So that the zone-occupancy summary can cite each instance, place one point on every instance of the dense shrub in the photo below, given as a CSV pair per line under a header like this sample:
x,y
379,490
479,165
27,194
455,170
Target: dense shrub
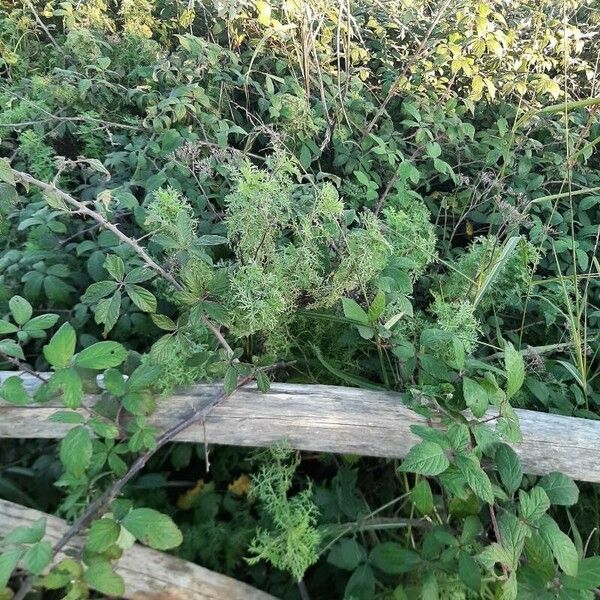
x,y
394,195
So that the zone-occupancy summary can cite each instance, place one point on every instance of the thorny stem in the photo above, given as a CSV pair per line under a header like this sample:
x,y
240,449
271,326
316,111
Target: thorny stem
x,y
22,366
197,415
83,209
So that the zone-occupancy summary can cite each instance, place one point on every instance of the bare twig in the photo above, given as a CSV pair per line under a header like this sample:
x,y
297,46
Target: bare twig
x,y
92,214
22,366
44,28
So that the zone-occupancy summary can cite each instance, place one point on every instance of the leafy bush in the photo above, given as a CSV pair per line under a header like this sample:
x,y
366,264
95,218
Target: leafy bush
x,y
399,196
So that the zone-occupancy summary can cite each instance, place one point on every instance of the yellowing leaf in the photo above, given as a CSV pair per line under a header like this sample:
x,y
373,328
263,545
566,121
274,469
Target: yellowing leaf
x,y
186,500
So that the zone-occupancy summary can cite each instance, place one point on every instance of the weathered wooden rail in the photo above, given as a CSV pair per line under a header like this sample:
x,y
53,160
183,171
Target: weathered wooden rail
x,y
329,419
144,569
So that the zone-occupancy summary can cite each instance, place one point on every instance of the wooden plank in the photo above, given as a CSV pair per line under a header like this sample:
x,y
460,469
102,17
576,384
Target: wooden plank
x,y
331,419
143,570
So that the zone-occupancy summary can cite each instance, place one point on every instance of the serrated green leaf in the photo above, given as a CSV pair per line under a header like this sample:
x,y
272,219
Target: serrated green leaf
x,y
27,534
11,348
422,497
533,504
515,370
262,382
588,575
353,311
38,557
101,355
67,416
98,290
60,349
561,490
9,559
394,559
102,535
20,309
141,297
139,275
76,451
41,322
509,468
468,571
7,327
426,458
6,172
163,322
562,547
153,528
475,396
115,266
68,385
114,382
12,391
101,576
230,380
107,311
475,477
346,554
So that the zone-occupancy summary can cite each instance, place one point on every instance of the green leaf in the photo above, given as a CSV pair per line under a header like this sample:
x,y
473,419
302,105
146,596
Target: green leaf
x,y
508,425
20,309
9,559
60,349
97,291
562,547
76,451
475,396
163,322
513,533
101,576
394,559
533,504
153,528
422,497
7,327
12,391
346,554
67,416
68,384
139,275
588,575
114,382
38,557
426,458
476,477
102,535
27,534
101,355
468,571
509,468
40,322
515,370
230,380
114,265
561,489
143,377
361,583
6,174
262,382
377,306
108,311
141,297
354,312
11,348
